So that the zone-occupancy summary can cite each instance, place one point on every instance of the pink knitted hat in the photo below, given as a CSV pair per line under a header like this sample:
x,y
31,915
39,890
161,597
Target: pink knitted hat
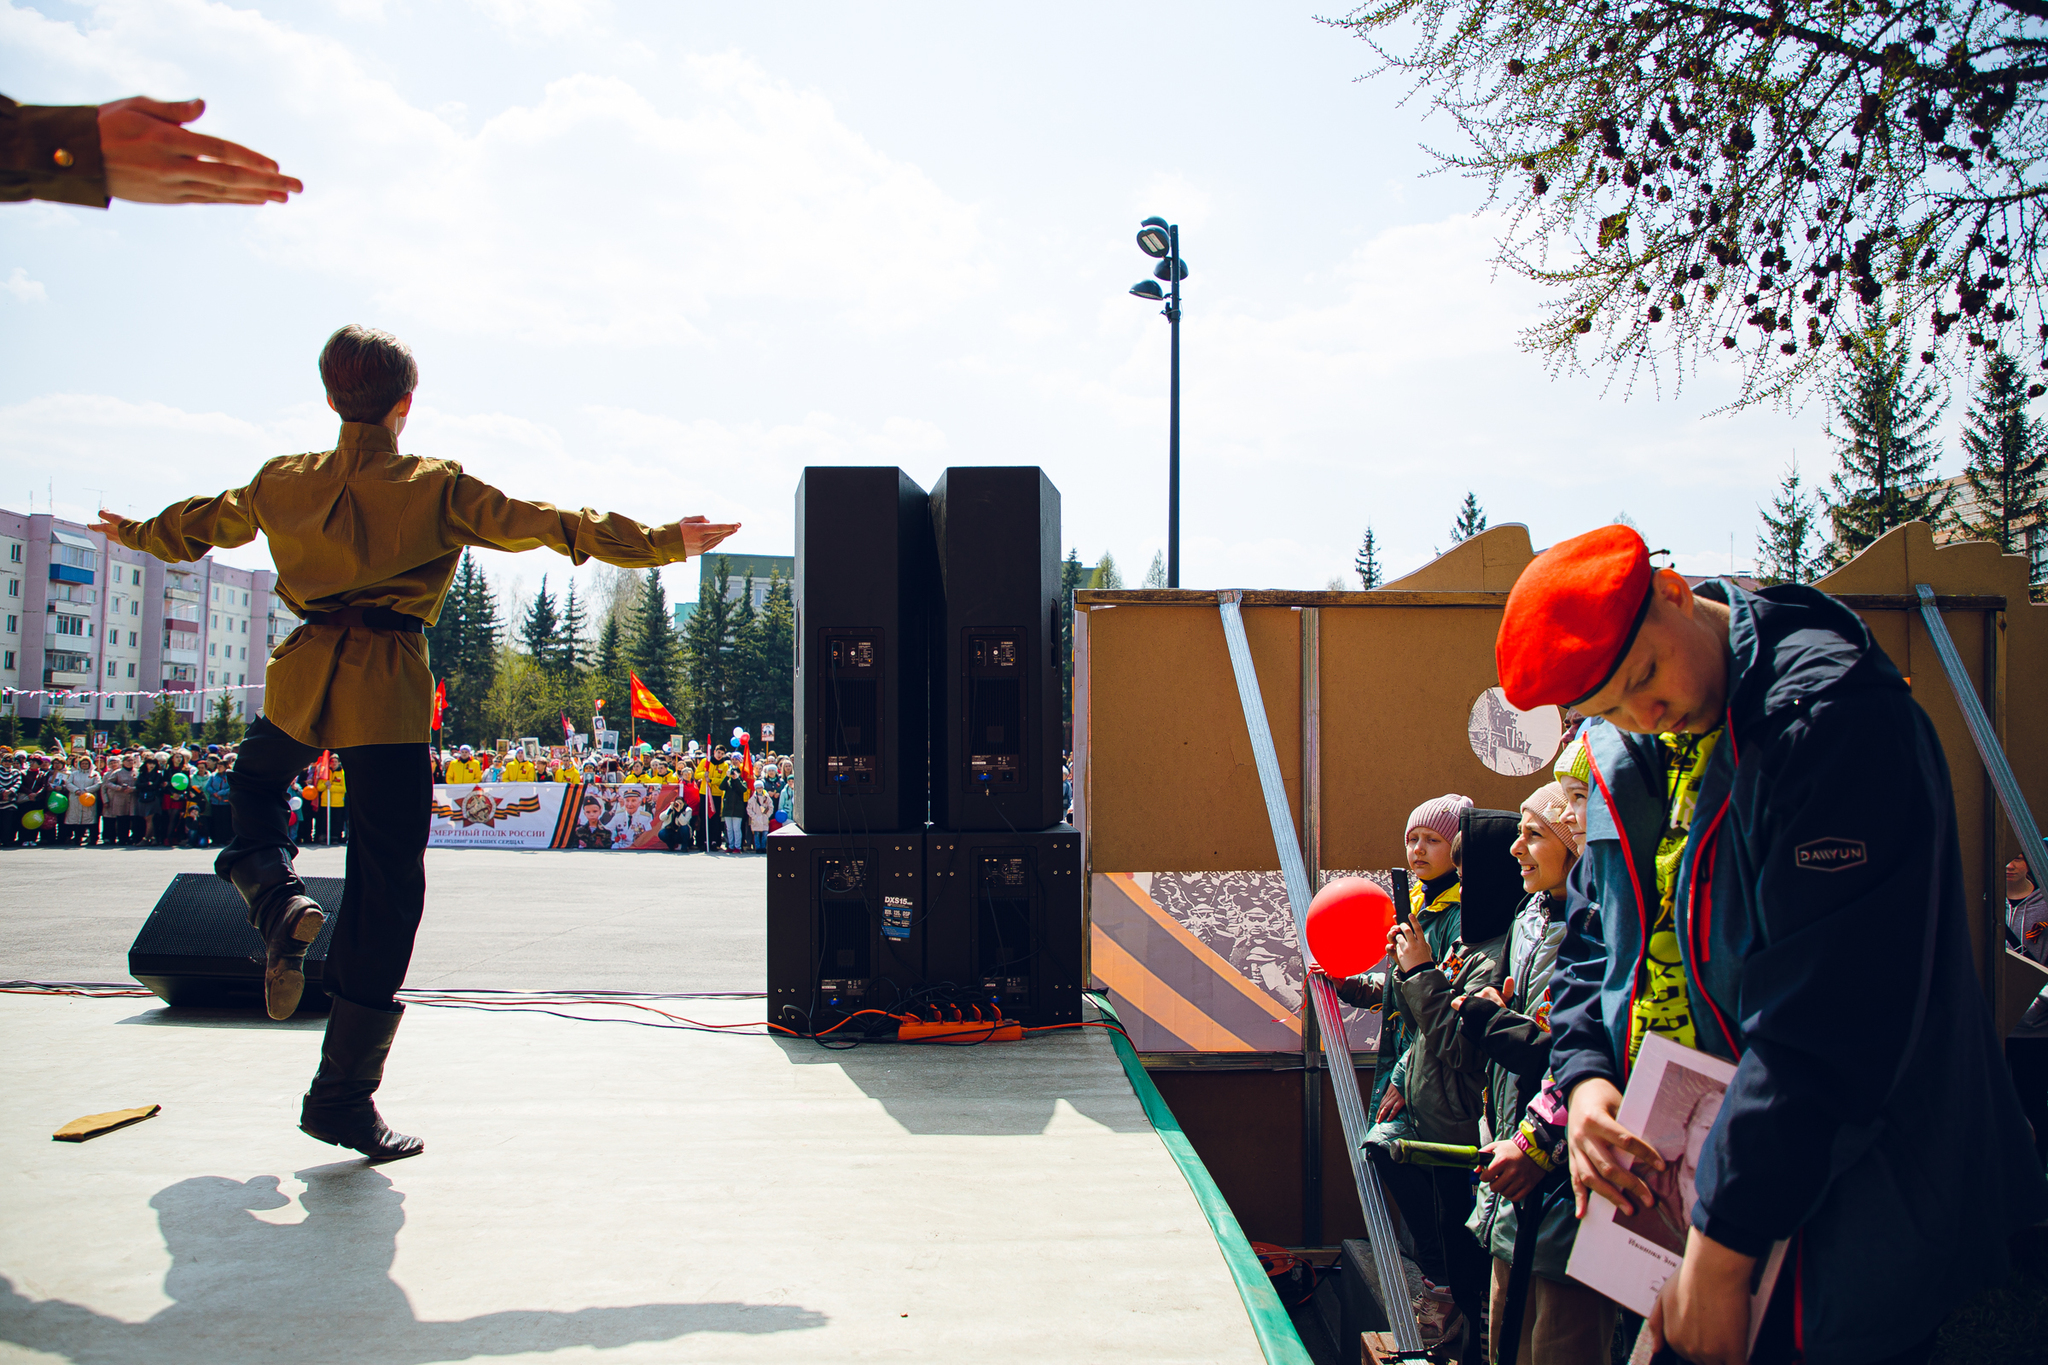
x,y
1440,815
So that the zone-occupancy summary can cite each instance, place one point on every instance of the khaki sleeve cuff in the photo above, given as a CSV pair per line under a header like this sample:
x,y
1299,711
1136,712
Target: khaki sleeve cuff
x,y
53,153
669,540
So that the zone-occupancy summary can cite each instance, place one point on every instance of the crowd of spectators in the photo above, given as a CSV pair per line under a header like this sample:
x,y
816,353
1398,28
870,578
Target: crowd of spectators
x,y
178,797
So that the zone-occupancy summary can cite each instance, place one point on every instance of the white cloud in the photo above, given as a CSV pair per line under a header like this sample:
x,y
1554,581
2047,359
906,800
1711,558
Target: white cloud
x,y
23,289
535,19
604,212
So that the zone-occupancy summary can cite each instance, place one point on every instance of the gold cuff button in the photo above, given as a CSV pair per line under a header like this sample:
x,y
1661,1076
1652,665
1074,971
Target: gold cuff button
x,y
62,157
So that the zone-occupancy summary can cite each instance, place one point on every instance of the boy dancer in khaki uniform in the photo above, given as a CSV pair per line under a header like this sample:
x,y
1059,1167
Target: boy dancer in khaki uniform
x,y
366,543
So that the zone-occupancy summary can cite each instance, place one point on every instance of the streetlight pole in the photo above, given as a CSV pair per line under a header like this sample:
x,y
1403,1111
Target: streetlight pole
x,y
1160,240
1173,416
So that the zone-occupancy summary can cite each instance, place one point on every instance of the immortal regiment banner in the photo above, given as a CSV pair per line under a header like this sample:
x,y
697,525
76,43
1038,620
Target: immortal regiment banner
x,y
500,815
1206,961
611,815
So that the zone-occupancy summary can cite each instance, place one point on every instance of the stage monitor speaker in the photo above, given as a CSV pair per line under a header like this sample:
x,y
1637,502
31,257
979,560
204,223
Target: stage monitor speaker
x,y
1005,916
846,925
995,650
198,948
863,582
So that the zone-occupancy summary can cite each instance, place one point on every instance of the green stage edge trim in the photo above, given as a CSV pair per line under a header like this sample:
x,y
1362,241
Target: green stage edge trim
x,y
1278,1340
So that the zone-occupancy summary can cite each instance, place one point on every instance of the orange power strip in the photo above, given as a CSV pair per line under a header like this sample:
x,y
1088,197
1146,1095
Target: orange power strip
x,y
968,1031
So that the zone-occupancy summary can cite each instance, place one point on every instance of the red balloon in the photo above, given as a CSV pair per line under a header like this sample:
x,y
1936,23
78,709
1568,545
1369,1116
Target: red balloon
x,y
1347,925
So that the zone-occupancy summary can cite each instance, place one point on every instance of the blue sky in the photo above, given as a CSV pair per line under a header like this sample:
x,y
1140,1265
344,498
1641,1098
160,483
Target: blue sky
x,y
658,258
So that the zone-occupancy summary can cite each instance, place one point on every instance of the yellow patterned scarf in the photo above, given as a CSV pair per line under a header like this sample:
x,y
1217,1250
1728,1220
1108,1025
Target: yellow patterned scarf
x,y
1661,1004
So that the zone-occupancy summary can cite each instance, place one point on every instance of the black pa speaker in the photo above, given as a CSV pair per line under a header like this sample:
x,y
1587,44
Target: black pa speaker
x,y
864,580
1005,916
198,948
846,925
995,750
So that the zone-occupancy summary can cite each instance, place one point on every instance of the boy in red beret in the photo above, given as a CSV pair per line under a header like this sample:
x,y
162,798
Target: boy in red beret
x,y
1772,876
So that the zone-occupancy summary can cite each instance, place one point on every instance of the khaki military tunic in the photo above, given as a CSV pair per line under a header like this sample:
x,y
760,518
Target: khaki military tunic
x,y
364,526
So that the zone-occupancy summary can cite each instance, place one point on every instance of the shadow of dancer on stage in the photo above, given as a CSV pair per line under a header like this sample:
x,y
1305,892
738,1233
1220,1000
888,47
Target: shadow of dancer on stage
x,y
320,1292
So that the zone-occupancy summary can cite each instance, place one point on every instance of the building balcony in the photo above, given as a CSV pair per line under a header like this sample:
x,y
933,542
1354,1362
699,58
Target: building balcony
x,y
181,656
64,573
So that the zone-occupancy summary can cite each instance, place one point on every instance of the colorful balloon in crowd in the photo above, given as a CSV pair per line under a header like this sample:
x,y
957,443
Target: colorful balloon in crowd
x,y
32,819
310,792
296,803
1348,923
58,803
179,782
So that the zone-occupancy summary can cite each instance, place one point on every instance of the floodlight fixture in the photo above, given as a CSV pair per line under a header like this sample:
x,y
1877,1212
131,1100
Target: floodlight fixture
x,y
1149,290
1153,237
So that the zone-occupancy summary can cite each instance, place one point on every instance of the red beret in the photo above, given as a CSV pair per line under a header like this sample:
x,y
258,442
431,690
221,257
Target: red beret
x,y
1572,616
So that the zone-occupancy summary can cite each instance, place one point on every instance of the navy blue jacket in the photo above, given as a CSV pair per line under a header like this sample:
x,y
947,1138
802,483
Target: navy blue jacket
x,y
1821,917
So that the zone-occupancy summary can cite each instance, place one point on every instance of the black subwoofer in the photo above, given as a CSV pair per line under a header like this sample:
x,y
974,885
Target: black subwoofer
x,y
198,948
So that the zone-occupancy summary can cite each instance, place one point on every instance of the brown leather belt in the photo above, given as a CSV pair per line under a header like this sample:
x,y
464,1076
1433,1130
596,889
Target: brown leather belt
x,y
375,618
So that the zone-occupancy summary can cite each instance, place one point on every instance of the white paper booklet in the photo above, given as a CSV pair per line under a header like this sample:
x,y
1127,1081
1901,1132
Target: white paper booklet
x,y
1672,1098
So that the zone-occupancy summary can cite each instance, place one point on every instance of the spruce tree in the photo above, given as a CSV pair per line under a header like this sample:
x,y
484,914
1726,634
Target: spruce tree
x,y
767,665
1155,577
223,726
124,734
1106,575
1886,444
55,735
1367,562
652,653
163,728
540,628
571,654
10,730
1471,519
1788,524
608,674
2007,449
708,641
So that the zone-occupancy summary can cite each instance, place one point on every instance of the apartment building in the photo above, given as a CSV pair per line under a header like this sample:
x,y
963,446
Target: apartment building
x,y
84,616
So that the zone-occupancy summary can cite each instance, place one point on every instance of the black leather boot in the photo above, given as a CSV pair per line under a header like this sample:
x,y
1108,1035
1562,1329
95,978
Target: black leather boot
x,y
286,917
338,1108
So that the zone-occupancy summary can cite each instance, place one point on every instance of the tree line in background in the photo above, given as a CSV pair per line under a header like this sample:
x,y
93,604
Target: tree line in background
x,y
1885,416
730,665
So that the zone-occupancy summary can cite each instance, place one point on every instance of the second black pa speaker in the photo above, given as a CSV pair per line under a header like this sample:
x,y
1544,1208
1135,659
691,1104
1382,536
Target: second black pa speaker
x,y
995,748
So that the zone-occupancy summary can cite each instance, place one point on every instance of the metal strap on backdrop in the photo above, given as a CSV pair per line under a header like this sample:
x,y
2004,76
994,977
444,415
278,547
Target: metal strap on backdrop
x,y
2002,779
1336,1047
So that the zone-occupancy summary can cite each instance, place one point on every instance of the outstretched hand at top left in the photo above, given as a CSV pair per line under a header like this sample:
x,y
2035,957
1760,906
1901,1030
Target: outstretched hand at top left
x,y
700,534
151,159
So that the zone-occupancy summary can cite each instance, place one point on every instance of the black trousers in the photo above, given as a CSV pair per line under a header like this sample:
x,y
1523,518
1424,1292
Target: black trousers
x,y
1435,1201
391,793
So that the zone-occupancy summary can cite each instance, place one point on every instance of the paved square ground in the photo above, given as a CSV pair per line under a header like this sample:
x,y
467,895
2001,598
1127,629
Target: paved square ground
x,y
495,918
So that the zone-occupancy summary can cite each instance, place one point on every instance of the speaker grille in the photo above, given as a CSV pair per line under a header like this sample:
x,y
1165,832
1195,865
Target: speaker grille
x,y
198,948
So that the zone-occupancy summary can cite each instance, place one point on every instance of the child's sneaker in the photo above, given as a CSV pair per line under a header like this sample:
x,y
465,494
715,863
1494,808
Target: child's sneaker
x,y
1436,1314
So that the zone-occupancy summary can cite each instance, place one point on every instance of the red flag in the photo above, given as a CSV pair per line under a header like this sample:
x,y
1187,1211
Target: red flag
x,y
747,759
567,728
440,702
324,768
647,706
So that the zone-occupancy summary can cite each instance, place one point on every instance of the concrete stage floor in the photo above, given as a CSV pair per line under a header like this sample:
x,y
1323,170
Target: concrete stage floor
x,y
590,1191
